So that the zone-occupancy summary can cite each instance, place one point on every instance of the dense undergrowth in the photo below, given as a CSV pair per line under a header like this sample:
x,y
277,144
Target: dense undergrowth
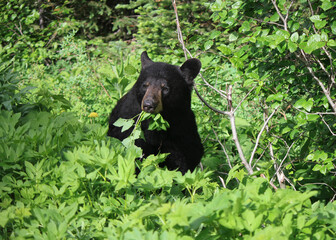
x,y
61,177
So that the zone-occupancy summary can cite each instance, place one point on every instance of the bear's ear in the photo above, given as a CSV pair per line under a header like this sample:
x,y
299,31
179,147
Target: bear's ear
x,y
145,60
190,69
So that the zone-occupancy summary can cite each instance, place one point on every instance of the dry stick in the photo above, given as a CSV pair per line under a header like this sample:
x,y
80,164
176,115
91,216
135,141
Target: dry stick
x,y
186,52
222,181
321,115
332,75
230,114
180,38
234,132
244,99
287,153
259,135
223,147
325,91
179,32
334,134
280,175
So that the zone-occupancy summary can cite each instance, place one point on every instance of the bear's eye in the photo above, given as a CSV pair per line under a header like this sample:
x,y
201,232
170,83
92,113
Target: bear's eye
x,y
165,90
145,85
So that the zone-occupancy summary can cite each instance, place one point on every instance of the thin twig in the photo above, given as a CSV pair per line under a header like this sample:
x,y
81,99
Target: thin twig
x,y
222,181
234,132
325,91
315,113
179,32
327,125
282,161
284,20
244,99
280,175
180,38
223,147
208,105
260,133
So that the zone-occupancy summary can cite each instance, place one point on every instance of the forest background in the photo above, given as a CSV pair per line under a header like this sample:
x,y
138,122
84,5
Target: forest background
x,y
265,109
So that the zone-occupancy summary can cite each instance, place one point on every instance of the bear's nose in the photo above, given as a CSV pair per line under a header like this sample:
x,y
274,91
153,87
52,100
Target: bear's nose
x,y
148,105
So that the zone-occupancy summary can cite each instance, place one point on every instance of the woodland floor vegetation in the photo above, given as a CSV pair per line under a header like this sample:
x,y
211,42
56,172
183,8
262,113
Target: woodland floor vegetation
x,y
264,102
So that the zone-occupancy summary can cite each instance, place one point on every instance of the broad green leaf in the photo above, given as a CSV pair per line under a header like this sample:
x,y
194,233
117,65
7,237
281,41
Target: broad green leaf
x,y
295,37
233,37
314,42
130,70
275,97
124,123
275,17
208,45
224,49
318,22
326,5
331,43
292,46
301,220
333,27
214,34
303,103
245,27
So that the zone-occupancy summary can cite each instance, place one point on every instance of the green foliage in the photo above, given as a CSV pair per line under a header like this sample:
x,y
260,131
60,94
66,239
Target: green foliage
x,y
61,177
156,122
289,60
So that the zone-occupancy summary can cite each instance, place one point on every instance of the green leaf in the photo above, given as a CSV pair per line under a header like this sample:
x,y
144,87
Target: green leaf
x,y
224,49
294,37
275,97
314,42
326,5
124,123
303,103
214,34
208,44
274,18
245,27
333,27
130,70
301,220
331,43
233,37
292,46
318,22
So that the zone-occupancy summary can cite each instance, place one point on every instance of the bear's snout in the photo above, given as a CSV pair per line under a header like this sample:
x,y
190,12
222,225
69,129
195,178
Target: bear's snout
x,y
151,101
149,105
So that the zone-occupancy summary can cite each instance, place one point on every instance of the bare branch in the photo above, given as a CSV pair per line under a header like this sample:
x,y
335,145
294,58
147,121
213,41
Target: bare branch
x,y
325,91
288,150
315,113
327,125
222,181
332,75
185,50
244,99
179,32
331,188
208,105
223,147
284,20
19,29
280,175
259,135
234,132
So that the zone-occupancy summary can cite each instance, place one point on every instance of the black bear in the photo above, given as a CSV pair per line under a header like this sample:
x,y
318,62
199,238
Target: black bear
x,y
166,89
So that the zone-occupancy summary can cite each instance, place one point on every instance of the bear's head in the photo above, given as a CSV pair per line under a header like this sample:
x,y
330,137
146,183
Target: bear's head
x,y
162,87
